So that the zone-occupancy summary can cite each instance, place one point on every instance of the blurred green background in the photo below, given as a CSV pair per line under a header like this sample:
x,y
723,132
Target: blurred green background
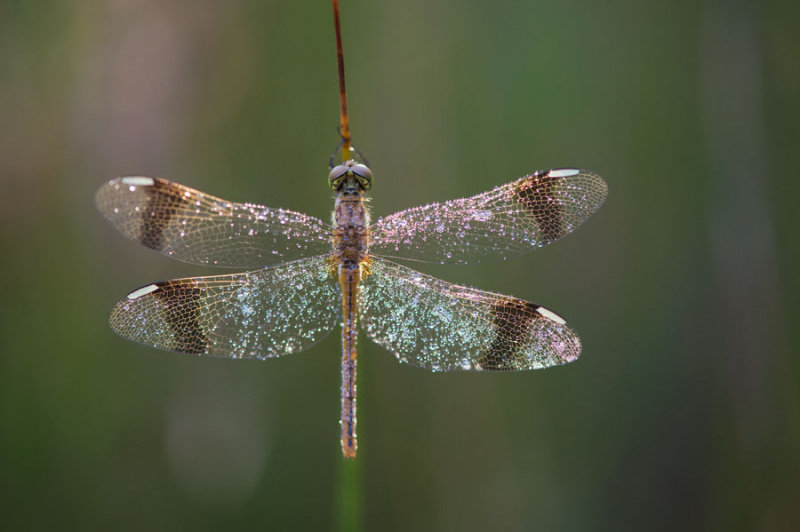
x,y
683,412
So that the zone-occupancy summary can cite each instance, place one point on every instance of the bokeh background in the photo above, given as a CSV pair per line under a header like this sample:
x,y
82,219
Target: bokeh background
x,y
683,412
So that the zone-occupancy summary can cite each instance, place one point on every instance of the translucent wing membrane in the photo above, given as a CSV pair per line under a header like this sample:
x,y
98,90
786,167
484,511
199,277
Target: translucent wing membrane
x,y
505,222
261,314
194,227
429,323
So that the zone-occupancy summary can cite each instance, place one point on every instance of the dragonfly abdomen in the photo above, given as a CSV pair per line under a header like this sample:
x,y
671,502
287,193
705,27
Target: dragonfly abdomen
x,y
349,278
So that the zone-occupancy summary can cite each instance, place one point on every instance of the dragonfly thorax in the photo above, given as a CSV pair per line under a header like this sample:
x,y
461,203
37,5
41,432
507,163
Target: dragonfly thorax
x,y
350,178
350,214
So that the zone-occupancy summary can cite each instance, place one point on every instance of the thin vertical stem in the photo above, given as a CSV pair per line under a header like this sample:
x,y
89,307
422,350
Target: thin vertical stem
x,y
344,118
349,498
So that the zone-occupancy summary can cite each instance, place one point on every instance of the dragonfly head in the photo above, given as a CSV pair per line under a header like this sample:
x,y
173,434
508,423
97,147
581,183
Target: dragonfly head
x,y
350,177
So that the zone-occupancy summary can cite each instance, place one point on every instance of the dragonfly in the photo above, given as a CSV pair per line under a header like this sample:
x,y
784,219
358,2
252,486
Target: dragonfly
x,y
304,276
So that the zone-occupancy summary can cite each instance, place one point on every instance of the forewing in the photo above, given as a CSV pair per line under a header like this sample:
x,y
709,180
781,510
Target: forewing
x,y
261,314
429,323
194,227
505,222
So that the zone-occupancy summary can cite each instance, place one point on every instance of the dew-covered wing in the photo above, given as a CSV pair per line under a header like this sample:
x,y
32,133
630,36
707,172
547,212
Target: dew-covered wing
x,y
260,314
505,222
429,323
194,227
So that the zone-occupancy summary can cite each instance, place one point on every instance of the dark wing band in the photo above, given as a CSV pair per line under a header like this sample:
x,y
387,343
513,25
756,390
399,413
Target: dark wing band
x,y
262,314
194,227
429,323
505,222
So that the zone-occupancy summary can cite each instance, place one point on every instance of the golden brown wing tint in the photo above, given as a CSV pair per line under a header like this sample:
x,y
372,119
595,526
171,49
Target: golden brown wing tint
x,y
194,227
507,221
261,314
429,323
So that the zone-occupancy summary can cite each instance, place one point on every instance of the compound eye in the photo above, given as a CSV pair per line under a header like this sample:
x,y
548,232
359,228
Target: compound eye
x,y
337,171
363,175
336,175
362,170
